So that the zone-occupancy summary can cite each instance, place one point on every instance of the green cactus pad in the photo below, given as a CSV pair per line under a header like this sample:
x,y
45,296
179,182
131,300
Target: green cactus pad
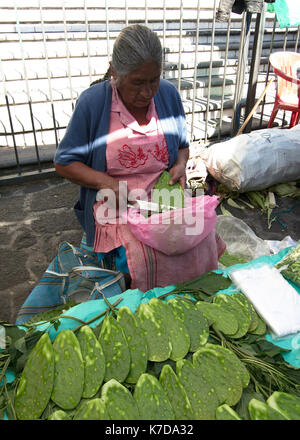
x,y
36,382
137,344
151,399
178,334
115,348
261,327
91,409
212,366
225,412
242,299
240,313
69,371
176,394
119,401
59,415
165,194
235,366
194,321
201,394
259,410
222,318
93,360
158,342
286,404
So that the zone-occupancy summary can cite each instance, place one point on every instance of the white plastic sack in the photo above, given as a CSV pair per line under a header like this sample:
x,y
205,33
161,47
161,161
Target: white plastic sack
x,y
255,160
276,301
277,245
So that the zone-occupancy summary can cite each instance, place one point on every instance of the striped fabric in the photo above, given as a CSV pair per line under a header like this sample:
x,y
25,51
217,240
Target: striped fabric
x,y
76,273
150,268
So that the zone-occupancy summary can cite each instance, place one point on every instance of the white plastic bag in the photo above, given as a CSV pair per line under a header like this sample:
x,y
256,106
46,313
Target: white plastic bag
x,y
277,302
240,240
256,160
277,245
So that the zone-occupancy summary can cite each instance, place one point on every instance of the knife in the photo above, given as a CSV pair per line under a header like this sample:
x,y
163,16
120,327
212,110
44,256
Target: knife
x,y
144,205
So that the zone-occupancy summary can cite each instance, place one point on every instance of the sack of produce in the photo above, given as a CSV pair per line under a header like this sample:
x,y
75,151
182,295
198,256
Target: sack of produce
x,y
177,230
289,266
256,160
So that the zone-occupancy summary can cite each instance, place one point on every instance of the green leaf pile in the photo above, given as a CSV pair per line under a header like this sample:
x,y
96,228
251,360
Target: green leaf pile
x,y
174,358
289,266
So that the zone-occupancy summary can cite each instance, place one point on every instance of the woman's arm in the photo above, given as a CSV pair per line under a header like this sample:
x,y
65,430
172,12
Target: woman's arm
x,y
178,169
83,175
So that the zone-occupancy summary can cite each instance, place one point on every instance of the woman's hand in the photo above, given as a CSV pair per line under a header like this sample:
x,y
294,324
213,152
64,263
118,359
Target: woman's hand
x,y
179,168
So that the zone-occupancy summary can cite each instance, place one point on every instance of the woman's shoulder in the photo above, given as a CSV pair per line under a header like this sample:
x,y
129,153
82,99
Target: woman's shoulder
x,y
166,87
95,94
164,84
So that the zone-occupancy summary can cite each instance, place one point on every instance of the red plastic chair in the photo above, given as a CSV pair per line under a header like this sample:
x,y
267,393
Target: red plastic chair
x,y
285,65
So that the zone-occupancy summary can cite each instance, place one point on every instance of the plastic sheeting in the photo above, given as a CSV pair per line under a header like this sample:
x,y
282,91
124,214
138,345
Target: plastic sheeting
x,y
287,12
240,239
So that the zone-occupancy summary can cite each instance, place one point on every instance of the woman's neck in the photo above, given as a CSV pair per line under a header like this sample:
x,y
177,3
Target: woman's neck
x,y
141,116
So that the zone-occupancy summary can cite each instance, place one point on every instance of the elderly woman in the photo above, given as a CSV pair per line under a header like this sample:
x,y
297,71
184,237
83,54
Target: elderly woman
x,y
127,128
130,127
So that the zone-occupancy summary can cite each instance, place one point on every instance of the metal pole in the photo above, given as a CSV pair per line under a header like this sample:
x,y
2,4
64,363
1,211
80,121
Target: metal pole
x,y
164,38
180,46
195,70
284,49
297,39
107,30
126,13
27,87
87,40
240,76
255,62
13,135
48,73
224,78
146,12
285,38
34,135
3,79
68,53
268,70
210,70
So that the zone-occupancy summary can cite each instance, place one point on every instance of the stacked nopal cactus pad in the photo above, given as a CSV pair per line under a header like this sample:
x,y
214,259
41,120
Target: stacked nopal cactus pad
x,y
108,374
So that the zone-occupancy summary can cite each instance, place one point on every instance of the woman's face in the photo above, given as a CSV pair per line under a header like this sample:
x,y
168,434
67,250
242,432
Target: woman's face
x,y
138,87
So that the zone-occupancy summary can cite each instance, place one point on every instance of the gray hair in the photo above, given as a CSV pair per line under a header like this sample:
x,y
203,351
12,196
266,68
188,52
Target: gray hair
x,y
134,46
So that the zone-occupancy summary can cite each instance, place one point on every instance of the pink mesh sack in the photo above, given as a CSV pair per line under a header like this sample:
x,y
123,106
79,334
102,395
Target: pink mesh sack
x,y
177,231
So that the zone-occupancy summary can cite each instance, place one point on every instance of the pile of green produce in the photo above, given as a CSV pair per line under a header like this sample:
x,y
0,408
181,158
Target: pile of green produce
x,y
188,356
289,266
264,200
